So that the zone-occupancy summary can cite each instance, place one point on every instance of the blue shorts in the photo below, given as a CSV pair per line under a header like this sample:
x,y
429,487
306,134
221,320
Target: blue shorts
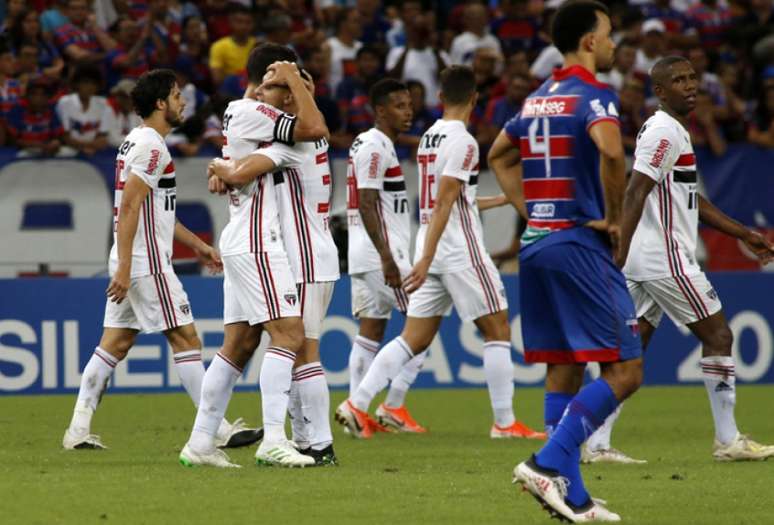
x,y
575,307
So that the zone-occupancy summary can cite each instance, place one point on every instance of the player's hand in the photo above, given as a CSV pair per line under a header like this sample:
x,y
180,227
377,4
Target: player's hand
x,y
418,275
308,81
278,74
119,284
215,185
221,168
210,258
391,272
760,246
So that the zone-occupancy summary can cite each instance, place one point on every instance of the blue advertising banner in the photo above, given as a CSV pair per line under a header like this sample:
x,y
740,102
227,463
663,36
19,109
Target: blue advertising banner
x,y
49,328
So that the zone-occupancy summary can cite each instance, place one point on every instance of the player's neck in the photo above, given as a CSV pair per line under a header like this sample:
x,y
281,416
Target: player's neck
x,y
159,123
584,60
682,119
457,113
391,134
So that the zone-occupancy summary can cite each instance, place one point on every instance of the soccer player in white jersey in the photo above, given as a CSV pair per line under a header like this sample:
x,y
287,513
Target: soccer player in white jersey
x,y
259,285
302,181
144,294
662,209
451,266
378,255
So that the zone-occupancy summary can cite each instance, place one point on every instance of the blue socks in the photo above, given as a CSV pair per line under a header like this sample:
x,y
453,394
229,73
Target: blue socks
x,y
553,409
585,413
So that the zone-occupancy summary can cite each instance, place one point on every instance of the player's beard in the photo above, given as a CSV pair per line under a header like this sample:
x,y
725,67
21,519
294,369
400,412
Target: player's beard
x,y
173,118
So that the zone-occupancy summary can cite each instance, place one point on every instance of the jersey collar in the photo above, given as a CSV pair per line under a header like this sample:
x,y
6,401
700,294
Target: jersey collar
x,y
580,72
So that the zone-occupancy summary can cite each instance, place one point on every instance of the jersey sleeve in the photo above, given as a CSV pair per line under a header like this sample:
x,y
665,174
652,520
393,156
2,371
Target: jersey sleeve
x,y
601,106
263,123
656,152
282,155
144,160
370,163
462,159
511,129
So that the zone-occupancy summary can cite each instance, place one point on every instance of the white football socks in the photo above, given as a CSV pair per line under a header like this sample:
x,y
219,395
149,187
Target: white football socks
x,y
600,440
360,358
399,387
315,403
498,369
275,379
386,366
719,377
217,387
301,431
190,369
93,382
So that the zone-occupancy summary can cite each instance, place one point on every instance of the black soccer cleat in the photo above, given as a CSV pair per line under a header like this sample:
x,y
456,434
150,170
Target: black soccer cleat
x,y
244,438
322,458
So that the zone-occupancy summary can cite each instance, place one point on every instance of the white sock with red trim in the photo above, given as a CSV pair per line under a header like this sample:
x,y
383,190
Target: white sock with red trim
x,y
276,376
315,403
190,370
719,377
386,366
498,369
217,387
360,358
399,387
301,431
600,440
93,383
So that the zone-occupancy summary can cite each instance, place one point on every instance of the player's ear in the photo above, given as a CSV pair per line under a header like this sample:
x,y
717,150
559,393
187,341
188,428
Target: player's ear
x,y
587,43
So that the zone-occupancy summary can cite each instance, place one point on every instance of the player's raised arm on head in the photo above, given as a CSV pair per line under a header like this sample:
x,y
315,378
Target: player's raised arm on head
x,y
309,123
505,161
612,172
368,200
134,193
710,215
448,191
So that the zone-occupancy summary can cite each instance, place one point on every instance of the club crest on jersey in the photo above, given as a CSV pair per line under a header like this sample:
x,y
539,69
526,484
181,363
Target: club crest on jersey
x,y
712,294
186,309
290,298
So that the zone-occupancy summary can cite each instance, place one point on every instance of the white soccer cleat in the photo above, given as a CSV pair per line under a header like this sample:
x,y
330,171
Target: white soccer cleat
x,y
597,512
741,448
281,454
608,455
81,441
549,490
216,458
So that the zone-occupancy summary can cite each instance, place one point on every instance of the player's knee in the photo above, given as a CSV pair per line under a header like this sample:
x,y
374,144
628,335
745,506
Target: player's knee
x,y
293,340
498,332
725,340
119,349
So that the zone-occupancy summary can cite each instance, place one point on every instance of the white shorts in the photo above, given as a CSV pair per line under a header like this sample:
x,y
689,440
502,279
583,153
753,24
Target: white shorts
x,y
154,303
315,298
373,299
684,299
258,287
475,292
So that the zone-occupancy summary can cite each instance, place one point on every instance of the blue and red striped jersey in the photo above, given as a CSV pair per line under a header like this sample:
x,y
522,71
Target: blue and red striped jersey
x,y
562,186
70,34
10,95
39,128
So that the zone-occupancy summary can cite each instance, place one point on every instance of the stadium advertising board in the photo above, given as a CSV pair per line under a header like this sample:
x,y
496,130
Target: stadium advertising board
x,y
49,327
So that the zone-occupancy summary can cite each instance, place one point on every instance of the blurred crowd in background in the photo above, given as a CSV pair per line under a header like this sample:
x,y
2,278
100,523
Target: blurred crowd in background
x,y
67,66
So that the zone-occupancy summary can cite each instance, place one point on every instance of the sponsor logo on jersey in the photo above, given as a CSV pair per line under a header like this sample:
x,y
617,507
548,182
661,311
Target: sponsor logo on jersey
x,y
549,106
598,108
543,210
373,166
658,156
266,110
468,157
154,161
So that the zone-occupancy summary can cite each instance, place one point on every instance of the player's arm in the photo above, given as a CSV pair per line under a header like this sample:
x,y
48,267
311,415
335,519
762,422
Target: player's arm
x,y
242,171
134,194
612,171
368,200
495,201
710,215
310,123
448,191
208,255
505,161
640,186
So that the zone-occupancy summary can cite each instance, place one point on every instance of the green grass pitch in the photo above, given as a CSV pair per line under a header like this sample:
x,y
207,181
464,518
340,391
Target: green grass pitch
x,y
455,474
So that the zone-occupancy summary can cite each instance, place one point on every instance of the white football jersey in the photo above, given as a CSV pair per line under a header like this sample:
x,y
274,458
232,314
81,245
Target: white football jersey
x,y
144,154
84,124
448,150
373,164
664,243
302,184
254,223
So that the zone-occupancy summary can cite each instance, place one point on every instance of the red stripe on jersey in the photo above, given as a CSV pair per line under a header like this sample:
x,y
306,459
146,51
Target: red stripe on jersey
x,y
393,172
548,189
687,159
115,211
170,168
120,185
321,158
557,224
557,147
326,179
323,207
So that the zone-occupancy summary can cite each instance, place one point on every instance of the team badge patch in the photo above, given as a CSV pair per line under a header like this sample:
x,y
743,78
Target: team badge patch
x,y
712,294
290,298
186,309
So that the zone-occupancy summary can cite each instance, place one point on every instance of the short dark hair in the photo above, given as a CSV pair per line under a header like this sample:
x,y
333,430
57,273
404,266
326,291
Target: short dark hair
x,y
235,8
661,68
458,85
151,87
573,20
341,17
415,83
380,92
264,55
88,73
369,50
